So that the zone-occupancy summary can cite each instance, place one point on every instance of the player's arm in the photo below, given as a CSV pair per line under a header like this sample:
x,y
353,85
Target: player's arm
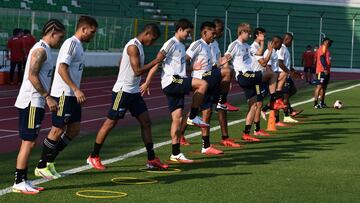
x,y
38,57
65,75
145,86
264,61
134,56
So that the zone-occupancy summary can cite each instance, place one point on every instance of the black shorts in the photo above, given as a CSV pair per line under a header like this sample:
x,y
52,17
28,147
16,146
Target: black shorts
x,y
289,87
30,120
212,95
309,69
322,78
123,101
176,91
69,111
264,89
250,82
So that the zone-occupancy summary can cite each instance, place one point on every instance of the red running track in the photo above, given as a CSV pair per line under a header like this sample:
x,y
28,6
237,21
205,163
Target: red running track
x,y
98,93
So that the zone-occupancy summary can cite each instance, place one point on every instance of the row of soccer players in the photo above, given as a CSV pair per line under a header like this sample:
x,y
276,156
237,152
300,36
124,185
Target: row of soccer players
x,y
210,83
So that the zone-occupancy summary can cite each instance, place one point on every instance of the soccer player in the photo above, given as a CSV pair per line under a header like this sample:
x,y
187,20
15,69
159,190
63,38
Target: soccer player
x,y
307,61
217,78
241,60
262,74
175,84
224,106
33,94
286,86
15,54
323,64
126,95
66,91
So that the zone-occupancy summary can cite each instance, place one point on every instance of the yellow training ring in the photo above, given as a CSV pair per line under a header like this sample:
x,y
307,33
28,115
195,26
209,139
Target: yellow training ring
x,y
167,171
133,181
115,194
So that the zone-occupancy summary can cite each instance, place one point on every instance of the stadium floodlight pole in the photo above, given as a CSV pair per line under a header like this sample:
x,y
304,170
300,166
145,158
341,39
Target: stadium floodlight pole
x,y
195,19
352,41
226,26
321,23
258,17
288,21
32,22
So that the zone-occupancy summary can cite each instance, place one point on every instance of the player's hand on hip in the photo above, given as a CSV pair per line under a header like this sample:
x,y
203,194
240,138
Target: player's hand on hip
x,y
52,104
80,96
199,64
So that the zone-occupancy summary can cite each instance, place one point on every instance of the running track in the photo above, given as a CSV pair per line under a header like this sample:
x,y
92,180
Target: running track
x,y
98,93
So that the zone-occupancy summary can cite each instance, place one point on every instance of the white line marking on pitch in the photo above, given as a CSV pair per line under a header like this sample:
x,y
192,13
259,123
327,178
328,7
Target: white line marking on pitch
x,y
142,150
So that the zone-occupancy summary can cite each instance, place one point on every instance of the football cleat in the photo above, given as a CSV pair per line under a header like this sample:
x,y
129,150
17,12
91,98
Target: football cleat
x,y
156,163
197,122
180,158
229,143
25,188
211,151
95,163
261,133
248,138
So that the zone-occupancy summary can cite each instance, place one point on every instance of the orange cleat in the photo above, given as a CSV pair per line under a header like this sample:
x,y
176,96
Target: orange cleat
x,y
211,151
248,138
229,143
95,163
231,107
295,113
261,133
281,124
183,141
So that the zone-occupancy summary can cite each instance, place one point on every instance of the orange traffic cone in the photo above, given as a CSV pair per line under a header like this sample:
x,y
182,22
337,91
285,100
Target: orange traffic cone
x,y
271,121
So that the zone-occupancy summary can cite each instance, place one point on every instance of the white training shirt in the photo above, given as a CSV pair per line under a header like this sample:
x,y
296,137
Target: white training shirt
x,y
254,48
240,56
200,50
273,62
127,81
72,54
174,62
28,94
215,52
284,54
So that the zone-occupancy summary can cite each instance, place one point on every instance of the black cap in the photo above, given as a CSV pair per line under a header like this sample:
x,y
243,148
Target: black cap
x,y
328,39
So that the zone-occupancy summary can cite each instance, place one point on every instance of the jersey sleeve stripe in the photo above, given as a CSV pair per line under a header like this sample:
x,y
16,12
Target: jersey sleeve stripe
x,y
169,46
196,45
231,47
71,48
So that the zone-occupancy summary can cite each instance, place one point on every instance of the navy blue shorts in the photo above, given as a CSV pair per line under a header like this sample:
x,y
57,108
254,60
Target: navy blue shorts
x,y
69,111
289,87
250,82
30,120
123,101
322,78
176,91
213,78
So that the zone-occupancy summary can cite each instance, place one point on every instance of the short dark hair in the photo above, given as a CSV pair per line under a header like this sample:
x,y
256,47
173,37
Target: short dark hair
x,y
277,37
153,28
52,25
290,35
183,24
207,24
258,30
27,31
218,21
86,20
